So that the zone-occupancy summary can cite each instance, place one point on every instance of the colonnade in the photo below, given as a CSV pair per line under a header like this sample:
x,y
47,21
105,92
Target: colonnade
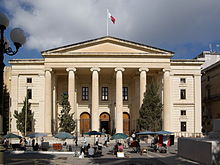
x,y
95,96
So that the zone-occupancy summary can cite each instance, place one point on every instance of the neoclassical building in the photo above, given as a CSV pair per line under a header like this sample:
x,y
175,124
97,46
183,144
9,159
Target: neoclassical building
x,y
105,80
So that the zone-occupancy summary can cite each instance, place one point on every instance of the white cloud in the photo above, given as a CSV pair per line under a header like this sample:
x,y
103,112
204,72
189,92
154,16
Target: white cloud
x,y
52,23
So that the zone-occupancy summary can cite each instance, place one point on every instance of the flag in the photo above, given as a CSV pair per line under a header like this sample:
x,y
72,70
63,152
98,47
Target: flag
x,y
111,17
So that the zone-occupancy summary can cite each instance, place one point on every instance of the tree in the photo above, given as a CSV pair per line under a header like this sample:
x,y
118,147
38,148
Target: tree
x,y
20,116
150,113
67,123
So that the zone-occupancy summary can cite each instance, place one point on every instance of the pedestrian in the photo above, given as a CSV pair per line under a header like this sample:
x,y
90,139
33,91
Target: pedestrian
x,y
103,130
96,140
33,142
42,140
76,141
105,140
133,136
85,142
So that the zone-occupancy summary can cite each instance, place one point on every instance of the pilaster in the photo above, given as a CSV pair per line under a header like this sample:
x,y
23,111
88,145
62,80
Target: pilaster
x,y
166,100
48,101
197,100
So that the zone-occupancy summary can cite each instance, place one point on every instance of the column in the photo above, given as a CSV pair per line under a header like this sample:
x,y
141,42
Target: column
x,y
119,101
166,100
71,89
48,101
143,83
95,99
197,95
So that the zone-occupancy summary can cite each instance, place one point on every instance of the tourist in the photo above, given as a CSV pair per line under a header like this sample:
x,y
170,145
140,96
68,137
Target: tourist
x,y
105,140
120,147
85,142
91,152
96,140
33,143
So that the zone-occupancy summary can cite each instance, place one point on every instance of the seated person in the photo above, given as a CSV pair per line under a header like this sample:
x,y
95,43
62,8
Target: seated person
x,y
91,152
120,147
36,147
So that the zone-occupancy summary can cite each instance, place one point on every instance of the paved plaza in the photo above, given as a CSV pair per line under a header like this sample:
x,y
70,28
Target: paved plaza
x,y
68,158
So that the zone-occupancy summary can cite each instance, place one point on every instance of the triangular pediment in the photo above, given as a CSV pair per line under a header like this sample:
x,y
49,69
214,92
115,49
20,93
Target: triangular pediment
x,y
106,45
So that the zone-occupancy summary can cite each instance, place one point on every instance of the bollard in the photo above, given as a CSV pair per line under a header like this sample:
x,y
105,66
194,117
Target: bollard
x,y
2,150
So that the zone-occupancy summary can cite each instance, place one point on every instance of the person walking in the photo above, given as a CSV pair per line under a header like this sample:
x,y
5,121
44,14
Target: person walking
x,y
96,140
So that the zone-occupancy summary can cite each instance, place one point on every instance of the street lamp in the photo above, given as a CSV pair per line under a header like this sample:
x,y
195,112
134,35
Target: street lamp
x,y
18,38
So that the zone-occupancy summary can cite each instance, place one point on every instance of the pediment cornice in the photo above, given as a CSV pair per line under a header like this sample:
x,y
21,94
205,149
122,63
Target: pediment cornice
x,y
107,46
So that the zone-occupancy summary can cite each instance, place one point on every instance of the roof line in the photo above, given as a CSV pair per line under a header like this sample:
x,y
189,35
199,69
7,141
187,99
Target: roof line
x,y
79,43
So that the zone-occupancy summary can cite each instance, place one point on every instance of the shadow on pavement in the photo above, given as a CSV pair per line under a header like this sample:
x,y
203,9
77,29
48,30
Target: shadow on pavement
x,y
174,160
27,158
125,161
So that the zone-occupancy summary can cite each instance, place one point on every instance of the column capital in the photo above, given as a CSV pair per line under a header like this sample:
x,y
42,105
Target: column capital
x,y
70,69
95,69
48,69
166,70
119,69
143,69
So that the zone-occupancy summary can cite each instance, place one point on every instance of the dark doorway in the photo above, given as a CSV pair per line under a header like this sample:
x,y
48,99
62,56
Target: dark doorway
x,y
104,125
105,122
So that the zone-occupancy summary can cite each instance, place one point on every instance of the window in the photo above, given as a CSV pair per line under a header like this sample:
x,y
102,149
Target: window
x,y
183,112
182,94
104,93
29,93
85,93
182,80
29,80
183,126
125,93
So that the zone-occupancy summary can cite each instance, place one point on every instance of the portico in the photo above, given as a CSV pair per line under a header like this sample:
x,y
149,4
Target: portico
x,y
105,80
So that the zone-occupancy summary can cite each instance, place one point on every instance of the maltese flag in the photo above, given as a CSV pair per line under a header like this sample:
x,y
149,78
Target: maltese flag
x,y
111,17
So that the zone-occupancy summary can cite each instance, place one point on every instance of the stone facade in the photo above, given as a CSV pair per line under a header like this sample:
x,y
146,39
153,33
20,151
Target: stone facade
x,y
210,89
105,79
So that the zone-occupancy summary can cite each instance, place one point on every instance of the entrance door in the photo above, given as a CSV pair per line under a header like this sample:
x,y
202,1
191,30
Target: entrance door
x,y
105,122
85,121
126,123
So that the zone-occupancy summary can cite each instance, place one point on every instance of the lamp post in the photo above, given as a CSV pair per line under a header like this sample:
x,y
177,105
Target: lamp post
x,y
18,38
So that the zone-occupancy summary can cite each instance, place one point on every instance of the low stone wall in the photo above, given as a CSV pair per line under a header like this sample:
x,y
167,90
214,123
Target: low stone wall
x,y
201,150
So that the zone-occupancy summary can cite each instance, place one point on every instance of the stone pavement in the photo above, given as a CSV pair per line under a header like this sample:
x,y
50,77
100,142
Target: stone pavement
x,y
107,158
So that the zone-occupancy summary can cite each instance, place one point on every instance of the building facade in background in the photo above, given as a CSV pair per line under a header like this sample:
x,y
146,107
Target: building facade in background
x,y
210,88
105,79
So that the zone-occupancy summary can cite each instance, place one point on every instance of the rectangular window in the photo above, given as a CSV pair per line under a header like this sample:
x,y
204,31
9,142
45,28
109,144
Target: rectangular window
x,y
182,80
183,112
183,126
85,93
104,93
182,94
125,93
29,93
29,80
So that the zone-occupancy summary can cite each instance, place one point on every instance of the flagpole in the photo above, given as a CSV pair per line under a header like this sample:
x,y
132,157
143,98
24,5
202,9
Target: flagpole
x,y
107,22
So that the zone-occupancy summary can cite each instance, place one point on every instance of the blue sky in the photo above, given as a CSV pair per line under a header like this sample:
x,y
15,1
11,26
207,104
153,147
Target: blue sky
x,y
186,27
